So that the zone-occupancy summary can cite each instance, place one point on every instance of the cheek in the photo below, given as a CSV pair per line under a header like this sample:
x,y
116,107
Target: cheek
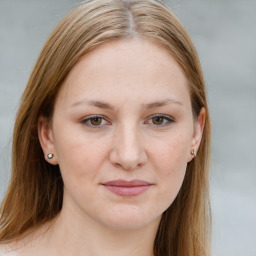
x,y
171,152
79,157
170,162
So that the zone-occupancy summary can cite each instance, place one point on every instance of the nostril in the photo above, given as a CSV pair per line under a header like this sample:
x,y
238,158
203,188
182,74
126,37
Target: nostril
x,y
128,163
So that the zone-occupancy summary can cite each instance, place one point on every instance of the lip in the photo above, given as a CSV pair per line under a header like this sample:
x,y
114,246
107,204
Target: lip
x,y
127,188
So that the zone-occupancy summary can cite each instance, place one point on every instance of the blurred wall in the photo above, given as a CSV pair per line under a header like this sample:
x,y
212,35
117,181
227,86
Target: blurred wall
x,y
224,32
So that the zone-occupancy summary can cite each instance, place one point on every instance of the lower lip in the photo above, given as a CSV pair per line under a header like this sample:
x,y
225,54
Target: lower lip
x,y
128,191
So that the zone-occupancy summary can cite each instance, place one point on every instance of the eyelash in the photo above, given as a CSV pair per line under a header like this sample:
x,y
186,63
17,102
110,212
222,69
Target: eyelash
x,y
167,120
87,121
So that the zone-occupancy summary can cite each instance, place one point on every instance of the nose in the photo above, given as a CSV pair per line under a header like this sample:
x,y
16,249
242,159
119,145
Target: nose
x,y
128,150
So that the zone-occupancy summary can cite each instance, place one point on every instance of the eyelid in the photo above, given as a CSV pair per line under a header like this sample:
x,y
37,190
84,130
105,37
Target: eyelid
x,y
169,119
85,120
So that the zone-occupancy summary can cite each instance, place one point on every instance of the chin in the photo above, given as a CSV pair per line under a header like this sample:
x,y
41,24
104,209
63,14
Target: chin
x,y
130,218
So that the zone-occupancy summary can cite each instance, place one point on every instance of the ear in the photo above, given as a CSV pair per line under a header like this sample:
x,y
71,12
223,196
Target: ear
x,y
197,134
46,139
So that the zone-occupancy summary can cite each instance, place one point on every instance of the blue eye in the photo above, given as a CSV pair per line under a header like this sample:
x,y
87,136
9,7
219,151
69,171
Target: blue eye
x,y
95,121
160,120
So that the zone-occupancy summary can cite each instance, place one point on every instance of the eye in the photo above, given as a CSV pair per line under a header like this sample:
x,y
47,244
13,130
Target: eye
x,y
160,120
95,121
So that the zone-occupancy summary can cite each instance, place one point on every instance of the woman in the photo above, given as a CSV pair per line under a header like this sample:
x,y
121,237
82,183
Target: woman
x,y
111,141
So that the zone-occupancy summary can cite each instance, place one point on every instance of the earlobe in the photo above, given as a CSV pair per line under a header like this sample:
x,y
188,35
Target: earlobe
x,y
46,139
197,134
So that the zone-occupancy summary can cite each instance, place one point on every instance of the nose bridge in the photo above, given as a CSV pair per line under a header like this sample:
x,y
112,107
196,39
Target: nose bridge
x,y
128,149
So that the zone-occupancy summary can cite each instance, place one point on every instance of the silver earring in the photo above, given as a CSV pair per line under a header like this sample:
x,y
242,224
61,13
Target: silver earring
x,y
50,156
193,152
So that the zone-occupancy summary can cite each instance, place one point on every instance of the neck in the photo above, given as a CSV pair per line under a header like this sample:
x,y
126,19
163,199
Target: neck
x,y
75,235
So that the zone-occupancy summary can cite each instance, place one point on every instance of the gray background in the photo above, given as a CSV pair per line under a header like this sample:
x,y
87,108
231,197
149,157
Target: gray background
x,y
225,35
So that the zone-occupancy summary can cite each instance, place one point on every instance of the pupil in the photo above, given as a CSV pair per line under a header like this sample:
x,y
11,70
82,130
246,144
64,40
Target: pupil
x,y
96,120
158,120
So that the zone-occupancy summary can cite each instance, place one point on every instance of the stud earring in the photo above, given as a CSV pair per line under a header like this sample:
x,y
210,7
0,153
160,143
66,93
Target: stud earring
x,y
193,152
50,156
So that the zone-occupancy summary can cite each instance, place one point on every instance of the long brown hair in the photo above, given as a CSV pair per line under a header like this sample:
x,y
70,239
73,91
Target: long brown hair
x,y
35,192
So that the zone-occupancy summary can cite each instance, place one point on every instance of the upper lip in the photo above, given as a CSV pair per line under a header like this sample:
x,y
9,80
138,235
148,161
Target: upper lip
x,y
126,183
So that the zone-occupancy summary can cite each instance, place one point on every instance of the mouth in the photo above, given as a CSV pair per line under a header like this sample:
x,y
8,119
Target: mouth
x,y
127,188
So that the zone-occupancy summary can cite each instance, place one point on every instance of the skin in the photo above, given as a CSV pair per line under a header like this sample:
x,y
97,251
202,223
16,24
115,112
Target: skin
x,y
138,79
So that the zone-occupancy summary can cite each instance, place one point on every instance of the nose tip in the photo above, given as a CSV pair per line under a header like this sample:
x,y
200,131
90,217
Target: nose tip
x,y
128,151
127,164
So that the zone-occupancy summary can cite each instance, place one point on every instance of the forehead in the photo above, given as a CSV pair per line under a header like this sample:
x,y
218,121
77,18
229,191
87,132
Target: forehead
x,y
126,69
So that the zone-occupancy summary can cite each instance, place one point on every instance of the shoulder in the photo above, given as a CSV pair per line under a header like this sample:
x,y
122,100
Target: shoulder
x,y
8,250
14,248
29,244
19,247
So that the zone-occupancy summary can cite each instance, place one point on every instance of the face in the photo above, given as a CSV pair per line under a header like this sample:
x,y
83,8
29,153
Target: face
x,y
122,132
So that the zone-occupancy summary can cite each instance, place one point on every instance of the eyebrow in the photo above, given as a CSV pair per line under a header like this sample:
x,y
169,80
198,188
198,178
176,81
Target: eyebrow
x,y
104,105
161,103
96,103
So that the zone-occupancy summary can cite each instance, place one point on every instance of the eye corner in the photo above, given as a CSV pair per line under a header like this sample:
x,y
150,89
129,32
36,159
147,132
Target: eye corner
x,y
88,121
165,120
